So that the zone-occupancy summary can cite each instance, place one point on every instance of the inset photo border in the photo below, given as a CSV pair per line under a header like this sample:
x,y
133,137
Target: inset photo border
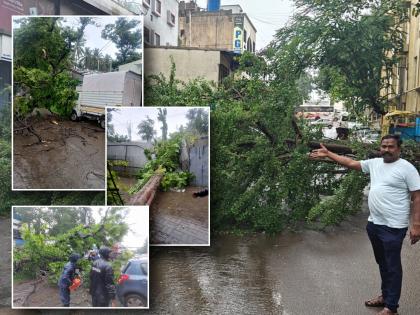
x,y
79,257
66,71
159,156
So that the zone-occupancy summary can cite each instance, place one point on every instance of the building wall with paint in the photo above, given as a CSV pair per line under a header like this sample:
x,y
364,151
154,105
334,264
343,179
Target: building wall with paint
x,y
227,29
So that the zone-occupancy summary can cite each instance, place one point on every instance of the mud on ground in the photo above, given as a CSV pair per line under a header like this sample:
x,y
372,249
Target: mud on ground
x,y
43,294
70,156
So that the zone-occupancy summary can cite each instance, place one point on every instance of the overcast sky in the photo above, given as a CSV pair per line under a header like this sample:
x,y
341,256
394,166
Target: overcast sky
x,y
135,115
137,219
266,15
93,32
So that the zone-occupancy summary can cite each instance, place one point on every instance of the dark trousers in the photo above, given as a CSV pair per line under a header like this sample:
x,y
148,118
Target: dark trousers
x,y
387,244
99,301
65,296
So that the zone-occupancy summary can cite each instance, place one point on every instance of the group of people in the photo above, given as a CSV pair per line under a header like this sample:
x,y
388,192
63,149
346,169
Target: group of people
x,y
102,287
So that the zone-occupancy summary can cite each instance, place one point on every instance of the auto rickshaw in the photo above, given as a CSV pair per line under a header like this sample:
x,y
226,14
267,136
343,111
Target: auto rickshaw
x,y
403,123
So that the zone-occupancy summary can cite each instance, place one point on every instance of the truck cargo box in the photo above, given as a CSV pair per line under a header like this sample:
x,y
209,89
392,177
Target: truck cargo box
x,y
122,88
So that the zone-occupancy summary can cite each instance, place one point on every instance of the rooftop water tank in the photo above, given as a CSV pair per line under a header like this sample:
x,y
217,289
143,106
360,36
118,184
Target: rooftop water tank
x,y
213,5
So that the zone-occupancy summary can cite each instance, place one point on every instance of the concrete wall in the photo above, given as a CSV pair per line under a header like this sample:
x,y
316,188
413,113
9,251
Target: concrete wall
x,y
251,35
133,152
412,102
199,162
190,63
156,24
207,30
214,29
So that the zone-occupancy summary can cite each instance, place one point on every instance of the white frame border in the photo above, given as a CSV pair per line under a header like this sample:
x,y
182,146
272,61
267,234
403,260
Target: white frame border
x,y
141,18
209,173
90,307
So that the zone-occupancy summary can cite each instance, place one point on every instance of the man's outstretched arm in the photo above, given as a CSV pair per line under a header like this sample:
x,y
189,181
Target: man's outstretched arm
x,y
415,217
342,160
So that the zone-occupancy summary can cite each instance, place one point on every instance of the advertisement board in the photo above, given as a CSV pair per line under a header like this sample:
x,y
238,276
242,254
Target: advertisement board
x,y
238,34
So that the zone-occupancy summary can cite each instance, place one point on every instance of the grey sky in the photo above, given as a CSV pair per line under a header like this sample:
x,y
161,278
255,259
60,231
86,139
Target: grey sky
x,y
93,32
135,115
266,15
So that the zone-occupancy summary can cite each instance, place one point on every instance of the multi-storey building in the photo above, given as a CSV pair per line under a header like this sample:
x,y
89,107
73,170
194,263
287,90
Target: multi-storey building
x,y
224,27
404,90
160,22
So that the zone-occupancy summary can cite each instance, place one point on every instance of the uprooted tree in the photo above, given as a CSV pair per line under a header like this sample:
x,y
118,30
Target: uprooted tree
x,y
261,176
48,245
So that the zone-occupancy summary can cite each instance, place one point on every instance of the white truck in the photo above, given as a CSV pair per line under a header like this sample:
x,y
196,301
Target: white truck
x,y
122,88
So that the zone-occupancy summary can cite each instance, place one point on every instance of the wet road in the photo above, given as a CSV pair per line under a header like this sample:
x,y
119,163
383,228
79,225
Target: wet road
x,y
309,272
179,218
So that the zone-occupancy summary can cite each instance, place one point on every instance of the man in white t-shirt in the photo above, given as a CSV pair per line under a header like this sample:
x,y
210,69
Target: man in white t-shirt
x,y
394,195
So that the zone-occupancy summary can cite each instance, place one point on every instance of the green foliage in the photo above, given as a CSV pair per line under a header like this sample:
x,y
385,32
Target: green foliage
x,y
257,181
198,121
146,129
176,180
42,61
163,159
328,36
347,199
160,91
126,35
56,93
46,251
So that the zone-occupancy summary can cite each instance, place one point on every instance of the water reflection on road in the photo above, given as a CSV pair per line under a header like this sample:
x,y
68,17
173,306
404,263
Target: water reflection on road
x,y
309,272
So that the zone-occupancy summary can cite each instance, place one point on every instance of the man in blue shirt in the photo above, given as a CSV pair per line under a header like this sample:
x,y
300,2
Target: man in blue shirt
x,y
394,195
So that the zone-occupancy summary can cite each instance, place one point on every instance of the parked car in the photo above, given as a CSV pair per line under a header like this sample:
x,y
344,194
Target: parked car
x,y
322,122
132,288
366,135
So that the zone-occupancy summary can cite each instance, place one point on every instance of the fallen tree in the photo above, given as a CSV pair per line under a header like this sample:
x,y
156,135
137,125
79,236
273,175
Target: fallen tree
x,y
261,176
46,254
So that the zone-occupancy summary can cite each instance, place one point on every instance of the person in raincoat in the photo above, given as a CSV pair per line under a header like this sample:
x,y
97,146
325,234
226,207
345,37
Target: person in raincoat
x,y
102,287
66,279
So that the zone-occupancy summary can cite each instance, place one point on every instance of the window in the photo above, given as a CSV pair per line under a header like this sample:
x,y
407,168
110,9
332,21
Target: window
x,y
157,39
158,8
146,35
146,3
136,268
171,18
143,267
223,72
